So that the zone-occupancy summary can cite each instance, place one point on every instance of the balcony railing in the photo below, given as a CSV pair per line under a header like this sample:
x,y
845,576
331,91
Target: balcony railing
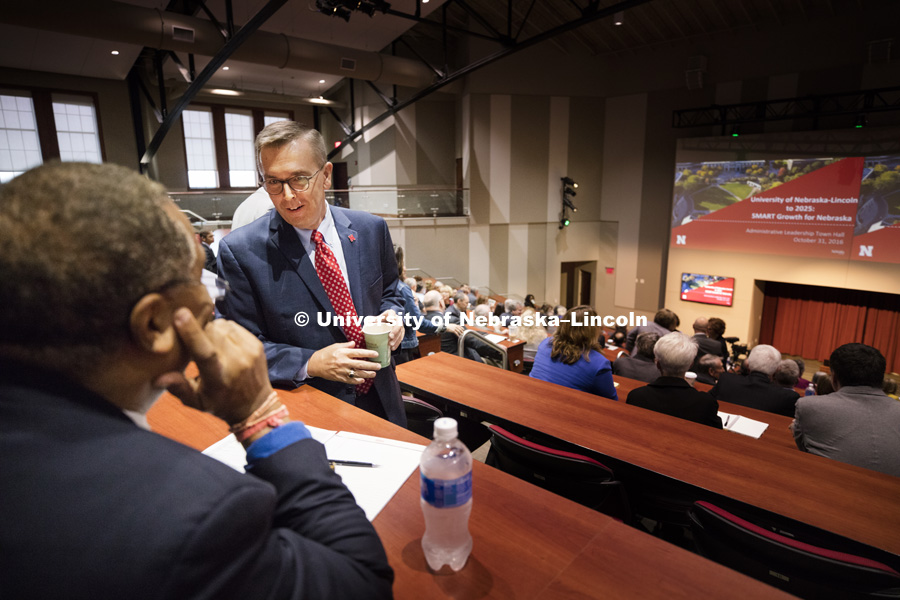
x,y
385,201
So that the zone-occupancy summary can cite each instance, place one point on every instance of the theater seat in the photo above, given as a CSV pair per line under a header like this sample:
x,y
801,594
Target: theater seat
x,y
799,559
574,476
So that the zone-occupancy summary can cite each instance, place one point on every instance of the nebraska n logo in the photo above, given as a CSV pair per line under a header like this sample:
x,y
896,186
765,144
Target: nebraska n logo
x,y
680,240
865,250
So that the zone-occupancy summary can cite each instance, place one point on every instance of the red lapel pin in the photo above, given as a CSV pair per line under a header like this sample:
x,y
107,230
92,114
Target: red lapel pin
x,y
352,237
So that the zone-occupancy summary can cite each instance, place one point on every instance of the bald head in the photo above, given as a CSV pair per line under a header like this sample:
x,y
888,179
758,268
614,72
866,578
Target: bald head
x,y
700,325
432,300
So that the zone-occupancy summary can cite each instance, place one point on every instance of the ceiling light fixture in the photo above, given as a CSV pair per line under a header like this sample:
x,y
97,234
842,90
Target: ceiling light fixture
x,y
225,68
619,18
225,92
115,52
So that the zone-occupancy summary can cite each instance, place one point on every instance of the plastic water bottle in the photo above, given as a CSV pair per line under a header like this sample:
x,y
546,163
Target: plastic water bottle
x,y
446,482
810,390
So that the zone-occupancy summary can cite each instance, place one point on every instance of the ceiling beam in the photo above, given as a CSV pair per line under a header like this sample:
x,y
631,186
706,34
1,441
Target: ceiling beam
x,y
217,61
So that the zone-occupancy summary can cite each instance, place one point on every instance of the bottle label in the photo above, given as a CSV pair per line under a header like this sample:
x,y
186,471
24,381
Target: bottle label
x,y
446,493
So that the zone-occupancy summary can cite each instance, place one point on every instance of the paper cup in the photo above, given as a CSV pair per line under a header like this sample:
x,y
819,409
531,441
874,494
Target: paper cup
x,y
378,338
690,377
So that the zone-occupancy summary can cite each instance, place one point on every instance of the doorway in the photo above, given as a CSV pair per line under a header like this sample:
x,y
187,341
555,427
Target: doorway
x,y
576,281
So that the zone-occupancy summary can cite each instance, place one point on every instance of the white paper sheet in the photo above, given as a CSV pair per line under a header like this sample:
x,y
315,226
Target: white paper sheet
x,y
743,425
372,487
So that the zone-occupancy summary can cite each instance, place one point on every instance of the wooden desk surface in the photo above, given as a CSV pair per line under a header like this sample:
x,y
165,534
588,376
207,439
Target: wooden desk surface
x,y
850,501
528,543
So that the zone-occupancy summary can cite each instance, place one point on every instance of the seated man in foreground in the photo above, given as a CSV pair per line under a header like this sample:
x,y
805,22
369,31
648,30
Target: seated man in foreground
x,y
641,365
670,394
756,389
94,505
857,423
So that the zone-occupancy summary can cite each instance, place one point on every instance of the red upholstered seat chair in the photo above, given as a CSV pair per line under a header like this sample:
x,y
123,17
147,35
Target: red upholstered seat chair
x,y
574,476
797,558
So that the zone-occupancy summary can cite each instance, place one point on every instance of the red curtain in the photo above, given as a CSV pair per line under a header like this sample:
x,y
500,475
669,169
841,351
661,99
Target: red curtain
x,y
812,321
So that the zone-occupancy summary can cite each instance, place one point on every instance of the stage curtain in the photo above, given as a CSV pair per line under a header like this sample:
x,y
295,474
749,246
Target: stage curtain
x,y
812,321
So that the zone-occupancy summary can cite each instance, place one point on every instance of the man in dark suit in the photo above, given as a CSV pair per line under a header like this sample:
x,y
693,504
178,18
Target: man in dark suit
x,y
756,389
206,239
277,269
94,505
705,345
641,366
670,394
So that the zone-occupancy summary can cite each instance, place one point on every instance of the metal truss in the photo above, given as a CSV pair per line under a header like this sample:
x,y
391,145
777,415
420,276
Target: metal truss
x,y
808,107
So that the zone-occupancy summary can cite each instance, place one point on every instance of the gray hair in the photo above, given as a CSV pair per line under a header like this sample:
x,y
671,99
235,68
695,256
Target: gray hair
x,y
763,358
675,353
645,343
787,373
708,361
82,243
509,305
481,310
282,133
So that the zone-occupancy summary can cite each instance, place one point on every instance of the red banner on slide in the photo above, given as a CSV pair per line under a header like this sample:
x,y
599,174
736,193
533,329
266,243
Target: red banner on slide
x,y
813,215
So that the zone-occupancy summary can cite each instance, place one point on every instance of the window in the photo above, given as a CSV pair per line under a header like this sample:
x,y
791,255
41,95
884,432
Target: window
x,y
219,144
76,129
241,163
19,147
200,150
37,124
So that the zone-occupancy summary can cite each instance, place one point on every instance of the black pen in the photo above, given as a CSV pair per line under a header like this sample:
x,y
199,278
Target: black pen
x,y
351,463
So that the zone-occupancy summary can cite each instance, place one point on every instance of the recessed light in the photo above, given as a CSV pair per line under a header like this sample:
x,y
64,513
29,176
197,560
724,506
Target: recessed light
x,y
225,68
319,100
321,81
224,92
115,52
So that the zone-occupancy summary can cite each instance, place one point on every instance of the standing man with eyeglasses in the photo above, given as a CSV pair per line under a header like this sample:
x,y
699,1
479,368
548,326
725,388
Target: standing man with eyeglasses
x,y
304,264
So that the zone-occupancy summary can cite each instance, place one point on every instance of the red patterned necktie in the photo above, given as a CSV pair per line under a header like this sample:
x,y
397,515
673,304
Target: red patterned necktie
x,y
333,280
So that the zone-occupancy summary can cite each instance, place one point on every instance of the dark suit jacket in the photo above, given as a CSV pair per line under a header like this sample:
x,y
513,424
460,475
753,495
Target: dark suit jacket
x,y
211,264
635,367
473,348
94,507
707,345
274,283
673,396
755,390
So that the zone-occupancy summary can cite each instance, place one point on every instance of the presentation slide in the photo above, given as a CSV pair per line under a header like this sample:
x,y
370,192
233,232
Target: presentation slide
x,y
841,209
707,289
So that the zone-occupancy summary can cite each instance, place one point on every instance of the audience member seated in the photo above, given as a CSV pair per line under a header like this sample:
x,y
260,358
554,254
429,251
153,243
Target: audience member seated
x,y
786,374
474,348
446,295
641,366
801,366
756,389
94,505
709,369
664,322
704,342
572,356
857,423
822,383
669,393
529,301
512,308
532,333
715,329
618,339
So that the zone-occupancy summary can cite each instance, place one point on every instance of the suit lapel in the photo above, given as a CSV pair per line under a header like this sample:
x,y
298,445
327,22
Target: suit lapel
x,y
286,240
350,245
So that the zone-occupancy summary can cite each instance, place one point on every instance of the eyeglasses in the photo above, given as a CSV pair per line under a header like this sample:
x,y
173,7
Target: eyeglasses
x,y
298,183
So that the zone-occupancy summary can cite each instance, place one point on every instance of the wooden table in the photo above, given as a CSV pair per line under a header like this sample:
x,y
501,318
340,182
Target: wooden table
x,y
857,503
528,543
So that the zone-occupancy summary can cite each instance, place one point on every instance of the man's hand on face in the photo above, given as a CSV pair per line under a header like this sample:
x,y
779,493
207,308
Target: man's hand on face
x,y
233,379
343,362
